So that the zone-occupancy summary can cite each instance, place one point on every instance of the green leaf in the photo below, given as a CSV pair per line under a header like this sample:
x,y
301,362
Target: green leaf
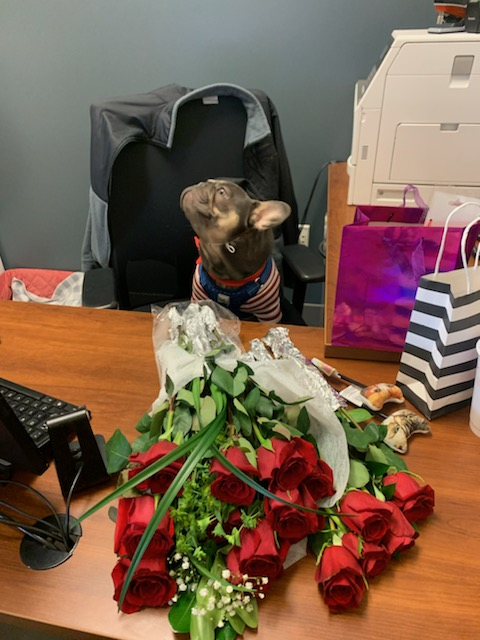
x,y
196,393
117,450
143,425
286,429
242,423
142,443
238,624
359,475
250,618
227,632
180,612
303,421
393,459
377,469
359,415
251,401
184,395
375,454
201,628
157,420
249,450
169,386
182,420
239,406
208,410
265,407
358,439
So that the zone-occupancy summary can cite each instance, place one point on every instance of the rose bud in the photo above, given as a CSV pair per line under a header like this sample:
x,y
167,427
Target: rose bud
x,y
258,554
160,481
320,481
290,522
340,576
288,464
373,558
226,486
151,585
415,501
134,514
401,535
365,514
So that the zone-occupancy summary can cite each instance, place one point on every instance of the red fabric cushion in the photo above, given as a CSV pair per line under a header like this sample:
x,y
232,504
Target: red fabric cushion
x,y
41,282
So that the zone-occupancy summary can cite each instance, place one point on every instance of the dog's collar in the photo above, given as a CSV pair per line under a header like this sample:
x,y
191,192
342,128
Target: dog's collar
x,y
231,283
239,283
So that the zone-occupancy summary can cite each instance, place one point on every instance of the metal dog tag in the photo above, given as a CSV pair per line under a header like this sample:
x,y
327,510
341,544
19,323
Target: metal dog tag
x,y
230,247
223,299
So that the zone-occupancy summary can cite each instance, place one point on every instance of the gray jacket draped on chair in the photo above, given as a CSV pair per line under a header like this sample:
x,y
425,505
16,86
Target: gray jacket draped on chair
x,y
152,117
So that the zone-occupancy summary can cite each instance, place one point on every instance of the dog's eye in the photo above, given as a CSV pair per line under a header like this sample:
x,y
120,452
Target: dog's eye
x,y
222,191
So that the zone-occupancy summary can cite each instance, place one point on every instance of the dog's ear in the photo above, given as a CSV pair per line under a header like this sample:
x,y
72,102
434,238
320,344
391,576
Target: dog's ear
x,y
268,214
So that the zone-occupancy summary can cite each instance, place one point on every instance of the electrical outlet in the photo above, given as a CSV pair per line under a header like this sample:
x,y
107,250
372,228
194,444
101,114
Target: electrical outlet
x,y
304,235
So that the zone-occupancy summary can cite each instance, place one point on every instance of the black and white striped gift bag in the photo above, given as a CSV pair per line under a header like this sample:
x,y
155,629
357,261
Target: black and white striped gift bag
x,y
439,360
438,363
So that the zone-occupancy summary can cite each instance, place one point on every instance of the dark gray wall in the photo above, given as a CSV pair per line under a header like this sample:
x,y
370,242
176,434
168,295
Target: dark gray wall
x,y
59,56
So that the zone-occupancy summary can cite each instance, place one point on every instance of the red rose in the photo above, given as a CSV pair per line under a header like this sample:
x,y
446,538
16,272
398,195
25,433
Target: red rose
x,y
226,486
401,535
366,515
258,554
160,481
340,576
288,521
373,558
151,586
320,482
415,501
288,464
133,516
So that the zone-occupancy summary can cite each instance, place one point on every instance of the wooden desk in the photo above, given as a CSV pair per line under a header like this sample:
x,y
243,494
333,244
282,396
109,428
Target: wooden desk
x,y
105,359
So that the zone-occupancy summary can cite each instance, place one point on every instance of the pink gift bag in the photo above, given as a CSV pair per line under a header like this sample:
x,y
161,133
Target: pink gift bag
x,y
383,255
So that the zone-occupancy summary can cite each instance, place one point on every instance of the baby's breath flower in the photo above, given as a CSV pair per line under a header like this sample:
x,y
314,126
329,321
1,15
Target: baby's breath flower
x,y
203,592
226,574
229,589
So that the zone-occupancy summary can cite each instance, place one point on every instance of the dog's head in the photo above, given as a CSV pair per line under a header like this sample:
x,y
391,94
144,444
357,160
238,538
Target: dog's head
x,y
220,210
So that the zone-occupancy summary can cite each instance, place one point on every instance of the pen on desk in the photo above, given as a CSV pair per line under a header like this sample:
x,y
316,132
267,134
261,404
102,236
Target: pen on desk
x,y
331,372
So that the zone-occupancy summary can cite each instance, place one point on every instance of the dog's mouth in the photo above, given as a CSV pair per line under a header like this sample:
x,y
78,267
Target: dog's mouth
x,y
196,199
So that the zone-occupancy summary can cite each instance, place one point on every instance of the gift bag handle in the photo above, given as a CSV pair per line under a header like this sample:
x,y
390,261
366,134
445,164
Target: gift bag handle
x,y
418,199
464,251
445,228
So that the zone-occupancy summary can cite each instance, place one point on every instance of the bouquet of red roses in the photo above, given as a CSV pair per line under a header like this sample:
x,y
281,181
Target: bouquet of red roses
x,y
227,481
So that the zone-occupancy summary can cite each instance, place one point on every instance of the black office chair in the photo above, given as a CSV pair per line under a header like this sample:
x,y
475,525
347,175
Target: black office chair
x,y
153,253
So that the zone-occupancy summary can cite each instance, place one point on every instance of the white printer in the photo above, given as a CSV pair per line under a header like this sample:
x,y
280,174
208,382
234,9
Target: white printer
x,y
417,119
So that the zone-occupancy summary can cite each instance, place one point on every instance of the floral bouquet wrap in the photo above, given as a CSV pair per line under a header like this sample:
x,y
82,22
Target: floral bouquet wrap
x,y
246,462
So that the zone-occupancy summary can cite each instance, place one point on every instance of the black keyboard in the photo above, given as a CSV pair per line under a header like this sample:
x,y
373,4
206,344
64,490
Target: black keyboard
x,y
33,409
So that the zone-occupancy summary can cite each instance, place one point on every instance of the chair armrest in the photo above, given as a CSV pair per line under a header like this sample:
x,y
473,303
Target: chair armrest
x,y
99,289
306,265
